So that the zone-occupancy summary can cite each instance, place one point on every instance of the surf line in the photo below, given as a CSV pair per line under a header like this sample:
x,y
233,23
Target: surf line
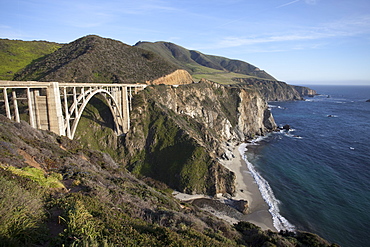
x,y
280,223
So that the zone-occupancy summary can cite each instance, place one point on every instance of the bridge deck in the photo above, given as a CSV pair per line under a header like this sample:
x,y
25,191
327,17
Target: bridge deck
x,y
36,84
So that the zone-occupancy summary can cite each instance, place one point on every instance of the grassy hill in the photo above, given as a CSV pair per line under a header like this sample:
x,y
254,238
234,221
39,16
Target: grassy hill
x,y
96,59
216,68
17,54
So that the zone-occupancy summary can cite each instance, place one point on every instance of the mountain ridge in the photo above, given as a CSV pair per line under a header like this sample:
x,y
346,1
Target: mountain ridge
x,y
96,59
195,61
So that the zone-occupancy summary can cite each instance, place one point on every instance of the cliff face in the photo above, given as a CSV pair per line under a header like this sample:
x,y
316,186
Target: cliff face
x,y
271,90
276,90
178,133
305,91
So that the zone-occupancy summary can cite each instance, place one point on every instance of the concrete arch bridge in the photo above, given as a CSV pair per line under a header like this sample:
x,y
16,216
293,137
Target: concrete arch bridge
x,y
58,106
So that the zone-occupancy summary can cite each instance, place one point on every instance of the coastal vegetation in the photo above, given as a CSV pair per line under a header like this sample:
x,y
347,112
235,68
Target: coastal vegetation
x,y
101,203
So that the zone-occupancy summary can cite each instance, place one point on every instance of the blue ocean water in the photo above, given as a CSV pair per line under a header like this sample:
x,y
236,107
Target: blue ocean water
x,y
319,172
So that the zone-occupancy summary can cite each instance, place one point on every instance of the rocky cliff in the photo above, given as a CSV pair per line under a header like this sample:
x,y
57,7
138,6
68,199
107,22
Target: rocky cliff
x,y
305,91
275,90
178,133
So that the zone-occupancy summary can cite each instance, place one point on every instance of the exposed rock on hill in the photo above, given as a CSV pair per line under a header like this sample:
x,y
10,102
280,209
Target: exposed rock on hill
x,y
177,134
196,62
179,77
96,59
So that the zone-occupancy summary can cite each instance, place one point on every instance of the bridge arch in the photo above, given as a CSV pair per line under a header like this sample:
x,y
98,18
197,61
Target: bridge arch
x,y
78,107
58,106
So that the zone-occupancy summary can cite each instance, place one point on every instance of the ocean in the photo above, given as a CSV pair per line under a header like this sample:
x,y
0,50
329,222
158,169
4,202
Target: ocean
x,y
316,176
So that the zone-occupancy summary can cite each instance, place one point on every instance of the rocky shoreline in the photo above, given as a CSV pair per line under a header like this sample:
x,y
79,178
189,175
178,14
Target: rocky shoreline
x,y
230,208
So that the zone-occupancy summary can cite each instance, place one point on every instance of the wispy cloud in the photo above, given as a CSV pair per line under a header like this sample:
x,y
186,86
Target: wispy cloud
x,y
236,41
304,37
310,2
287,4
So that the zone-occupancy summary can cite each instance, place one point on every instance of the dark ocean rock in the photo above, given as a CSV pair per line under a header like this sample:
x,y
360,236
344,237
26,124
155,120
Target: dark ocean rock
x,y
286,127
368,100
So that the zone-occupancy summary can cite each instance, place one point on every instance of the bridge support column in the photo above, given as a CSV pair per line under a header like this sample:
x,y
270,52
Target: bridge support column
x,y
31,108
15,104
54,106
125,110
7,107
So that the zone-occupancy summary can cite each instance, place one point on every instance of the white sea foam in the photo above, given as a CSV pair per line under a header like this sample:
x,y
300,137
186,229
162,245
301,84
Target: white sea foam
x,y
258,139
280,223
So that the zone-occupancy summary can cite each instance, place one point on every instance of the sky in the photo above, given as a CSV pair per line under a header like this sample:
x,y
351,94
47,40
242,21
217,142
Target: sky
x,y
296,41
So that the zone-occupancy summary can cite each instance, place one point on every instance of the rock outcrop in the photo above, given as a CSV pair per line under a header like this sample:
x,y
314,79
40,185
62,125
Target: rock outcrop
x,y
179,77
242,206
271,90
178,133
305,91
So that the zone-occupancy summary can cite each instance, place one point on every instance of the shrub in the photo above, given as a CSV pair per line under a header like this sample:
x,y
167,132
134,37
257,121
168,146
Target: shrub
x,y
21,214
47,181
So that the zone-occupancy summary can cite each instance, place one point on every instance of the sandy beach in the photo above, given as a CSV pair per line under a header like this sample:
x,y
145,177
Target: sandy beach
x,y
246,189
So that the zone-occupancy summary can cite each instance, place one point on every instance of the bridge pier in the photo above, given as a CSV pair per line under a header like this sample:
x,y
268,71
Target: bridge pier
x,y
54,109
58,107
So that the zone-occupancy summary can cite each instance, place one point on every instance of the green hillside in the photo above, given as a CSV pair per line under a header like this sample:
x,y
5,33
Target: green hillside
x,y
95,59
54,192
16,54
216,68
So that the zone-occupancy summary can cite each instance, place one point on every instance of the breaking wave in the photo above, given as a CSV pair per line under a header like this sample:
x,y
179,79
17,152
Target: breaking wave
x,y
280,223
